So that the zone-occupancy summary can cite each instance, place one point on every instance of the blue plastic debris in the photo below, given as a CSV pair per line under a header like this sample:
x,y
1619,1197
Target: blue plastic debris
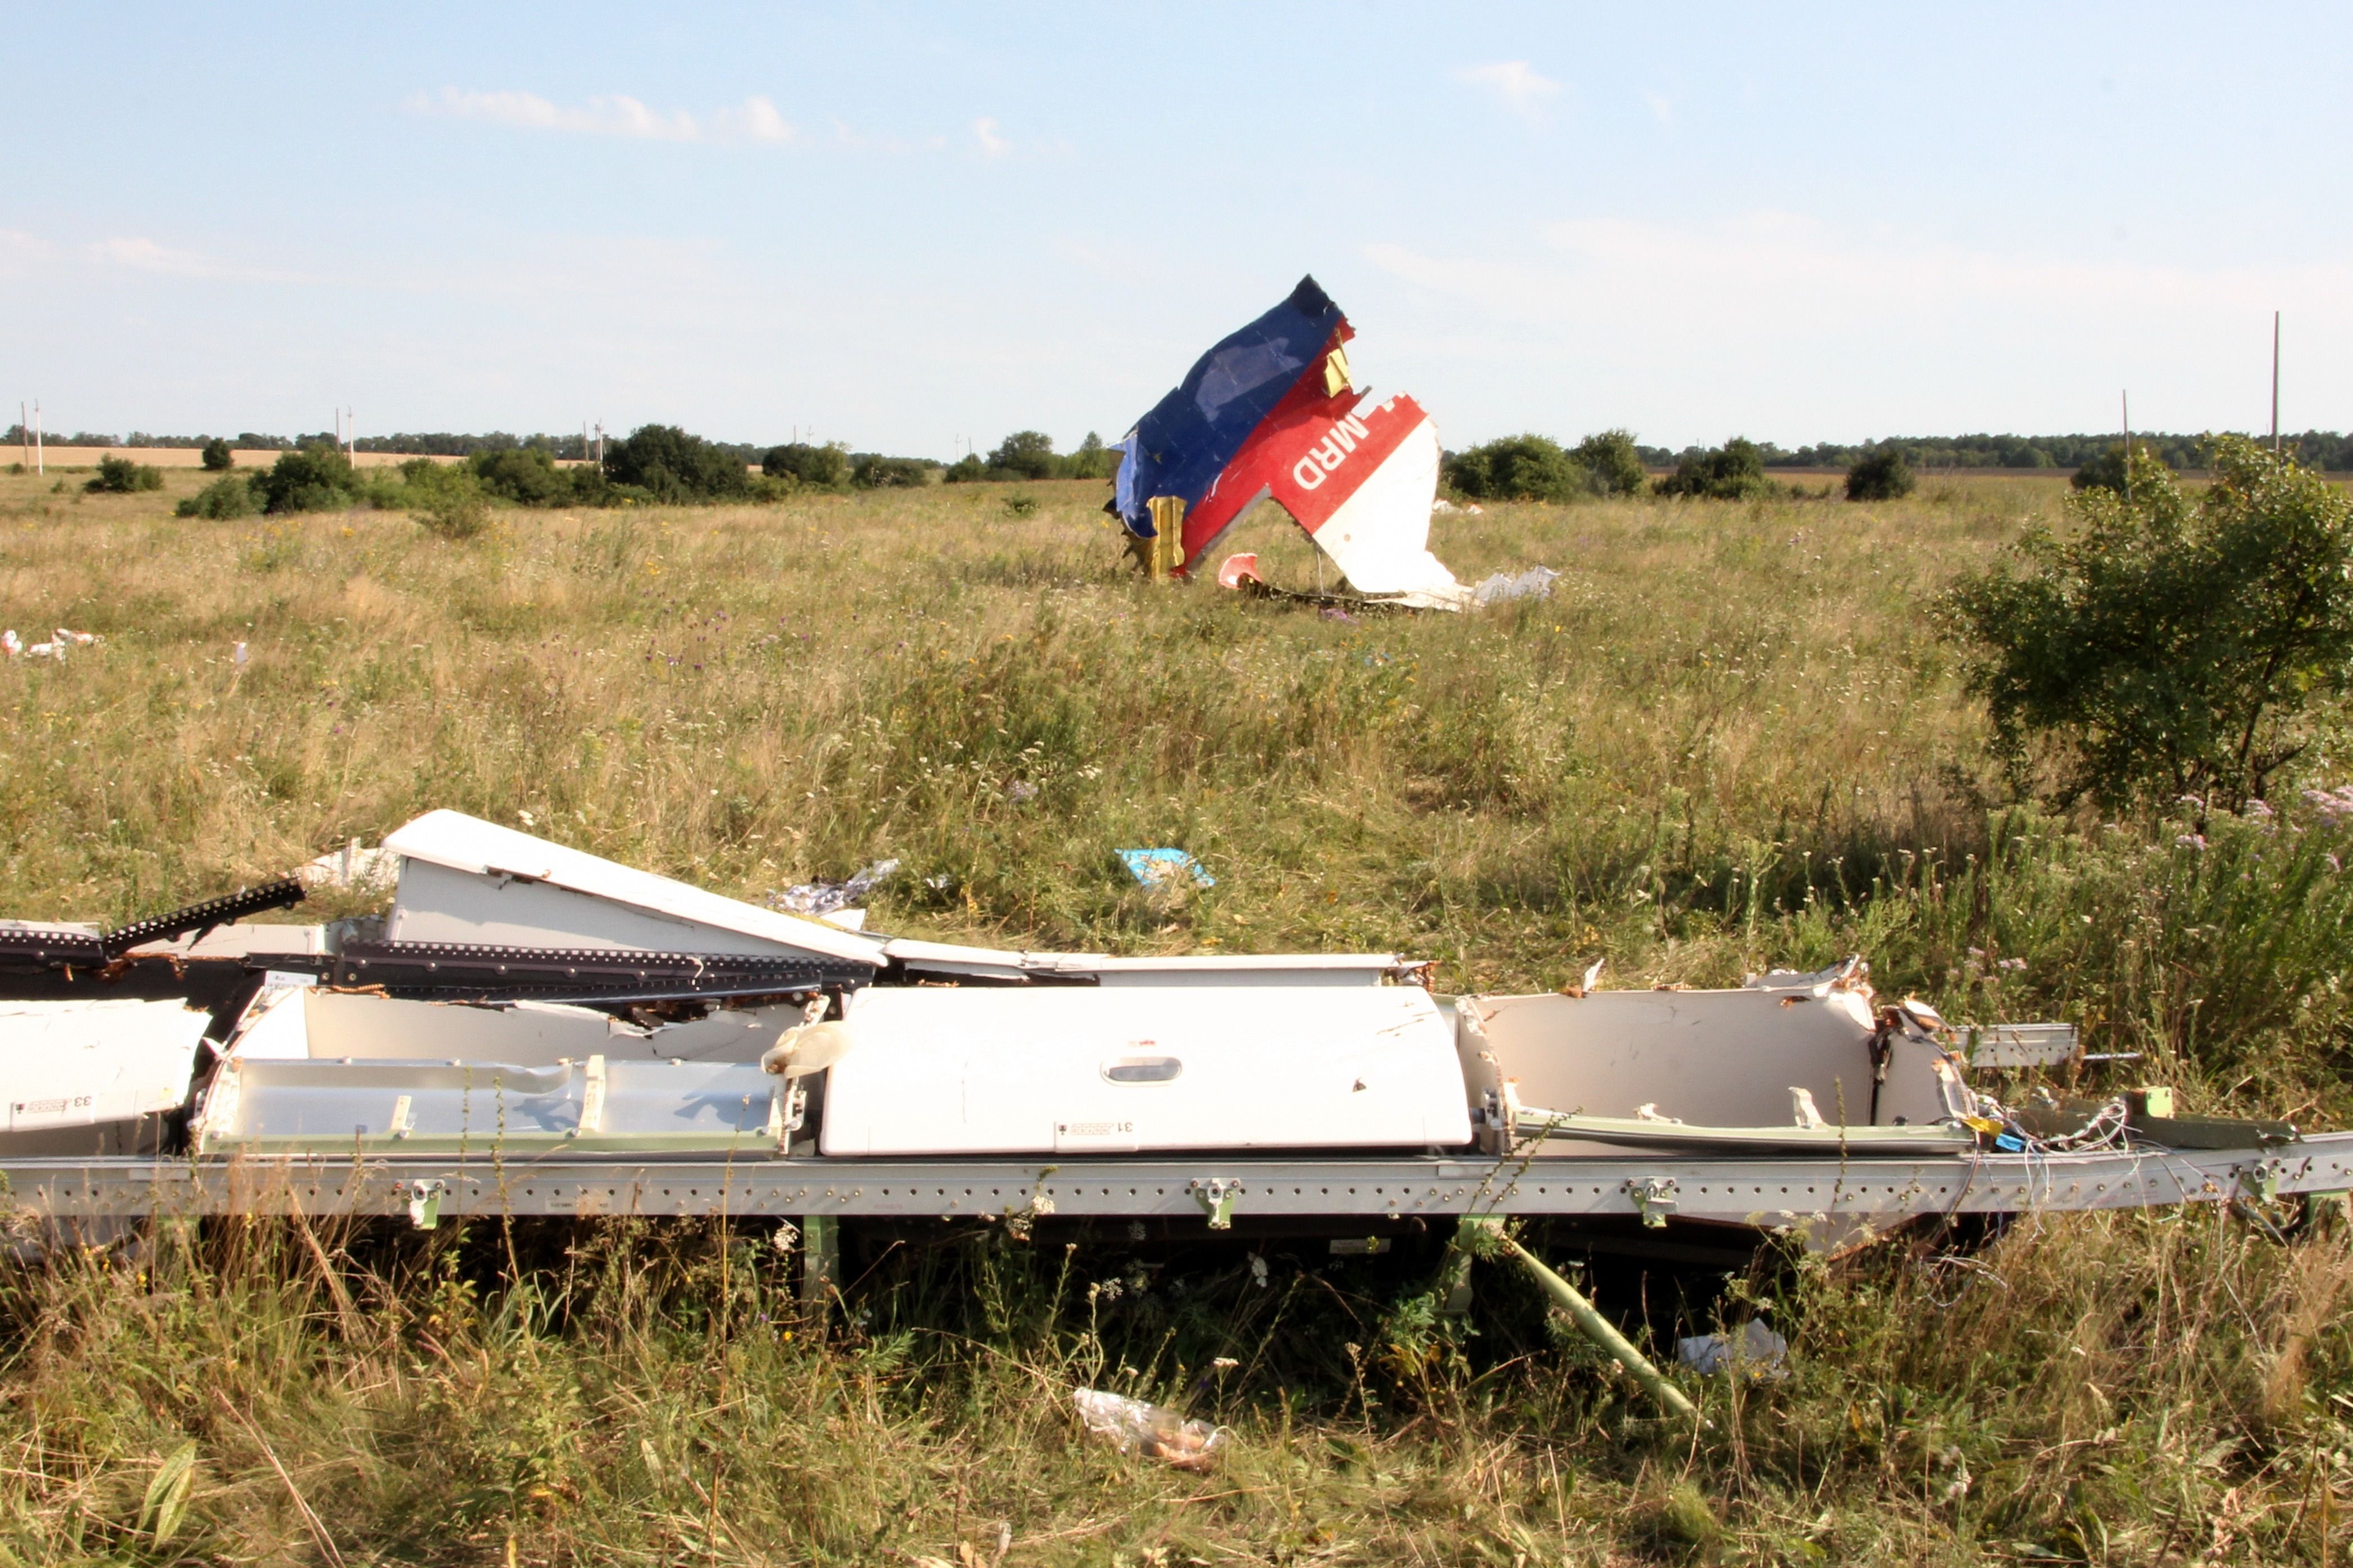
x,y
1165,867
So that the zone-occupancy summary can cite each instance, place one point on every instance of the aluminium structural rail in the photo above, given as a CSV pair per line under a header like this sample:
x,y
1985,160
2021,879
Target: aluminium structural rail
x,y
1214,1188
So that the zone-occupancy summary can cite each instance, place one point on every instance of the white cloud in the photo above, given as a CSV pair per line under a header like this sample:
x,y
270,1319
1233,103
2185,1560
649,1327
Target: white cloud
x,y
1514,84
992,145
755,118
144,255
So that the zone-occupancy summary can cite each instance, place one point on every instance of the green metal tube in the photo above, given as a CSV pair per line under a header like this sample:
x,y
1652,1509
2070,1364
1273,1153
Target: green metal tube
x,y
1602,1332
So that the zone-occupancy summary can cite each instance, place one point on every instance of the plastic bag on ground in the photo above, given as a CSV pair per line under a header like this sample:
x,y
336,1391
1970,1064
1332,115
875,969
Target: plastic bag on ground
x,y
1754,1352
1136,1428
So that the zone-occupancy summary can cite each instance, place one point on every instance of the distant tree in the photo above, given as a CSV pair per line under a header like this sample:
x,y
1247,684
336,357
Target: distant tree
x,y
2171,646
121,475
1734,471
1881,475
873,471
225,498
316,478
965,470
218,458
1518,467
827,467
1093,460
2106,471
446,498
527,476
672,466
1025,454
1612,464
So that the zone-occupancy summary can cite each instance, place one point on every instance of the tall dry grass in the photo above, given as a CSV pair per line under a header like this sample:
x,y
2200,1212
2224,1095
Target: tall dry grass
x,y
1730,739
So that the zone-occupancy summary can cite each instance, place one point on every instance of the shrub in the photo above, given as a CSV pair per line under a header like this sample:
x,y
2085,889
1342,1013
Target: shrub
x,y
316,478
121,475
1093,460
1025,455
446,498
226,497
527,476
2172,647
1517,467
672,466
872,471
217,457
965,470
1612,465
827,466
1881,475
2107,472
1734,471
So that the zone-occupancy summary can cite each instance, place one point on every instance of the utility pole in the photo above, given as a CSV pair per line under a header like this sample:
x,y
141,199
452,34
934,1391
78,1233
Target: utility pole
x,y
2125,397
40,463
2275,341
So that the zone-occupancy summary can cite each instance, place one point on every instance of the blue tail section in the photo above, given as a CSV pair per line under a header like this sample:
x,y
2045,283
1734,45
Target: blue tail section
x,y
1184,442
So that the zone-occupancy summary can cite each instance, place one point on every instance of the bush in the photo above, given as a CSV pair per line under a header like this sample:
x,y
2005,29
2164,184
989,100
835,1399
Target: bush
x,y
121,475
1881,475
672,466
527,476
446,498
2170,648
1518,467
1093,460
2107,472
872,471
965,470
316,478
217,457
1734,471
1025,455
1612,465
225,498
827,466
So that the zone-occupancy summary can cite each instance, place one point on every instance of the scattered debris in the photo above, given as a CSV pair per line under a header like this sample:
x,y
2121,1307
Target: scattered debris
x,y
353,865
1231,572
1535,583
1160,869
1136,1428
824,901
1271,411
1754,1353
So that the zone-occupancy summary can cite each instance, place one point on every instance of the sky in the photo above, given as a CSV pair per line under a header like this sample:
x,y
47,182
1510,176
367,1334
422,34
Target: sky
x,y
914,227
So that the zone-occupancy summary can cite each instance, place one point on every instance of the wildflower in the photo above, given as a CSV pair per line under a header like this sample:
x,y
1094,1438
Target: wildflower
x,y
2190,840
2260,810
2011,963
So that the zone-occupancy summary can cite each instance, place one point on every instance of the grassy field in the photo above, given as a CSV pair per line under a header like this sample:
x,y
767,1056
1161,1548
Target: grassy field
x,y
1730,739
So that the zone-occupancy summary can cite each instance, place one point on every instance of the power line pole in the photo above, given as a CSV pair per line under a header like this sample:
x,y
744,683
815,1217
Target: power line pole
x,y
2126,398
2276,346
40,462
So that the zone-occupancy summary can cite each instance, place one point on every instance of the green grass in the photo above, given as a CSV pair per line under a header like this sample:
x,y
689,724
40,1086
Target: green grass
x,y
1730,739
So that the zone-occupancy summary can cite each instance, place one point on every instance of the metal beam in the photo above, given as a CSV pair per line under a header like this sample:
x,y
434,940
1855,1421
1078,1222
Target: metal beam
x,y
1763,1192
